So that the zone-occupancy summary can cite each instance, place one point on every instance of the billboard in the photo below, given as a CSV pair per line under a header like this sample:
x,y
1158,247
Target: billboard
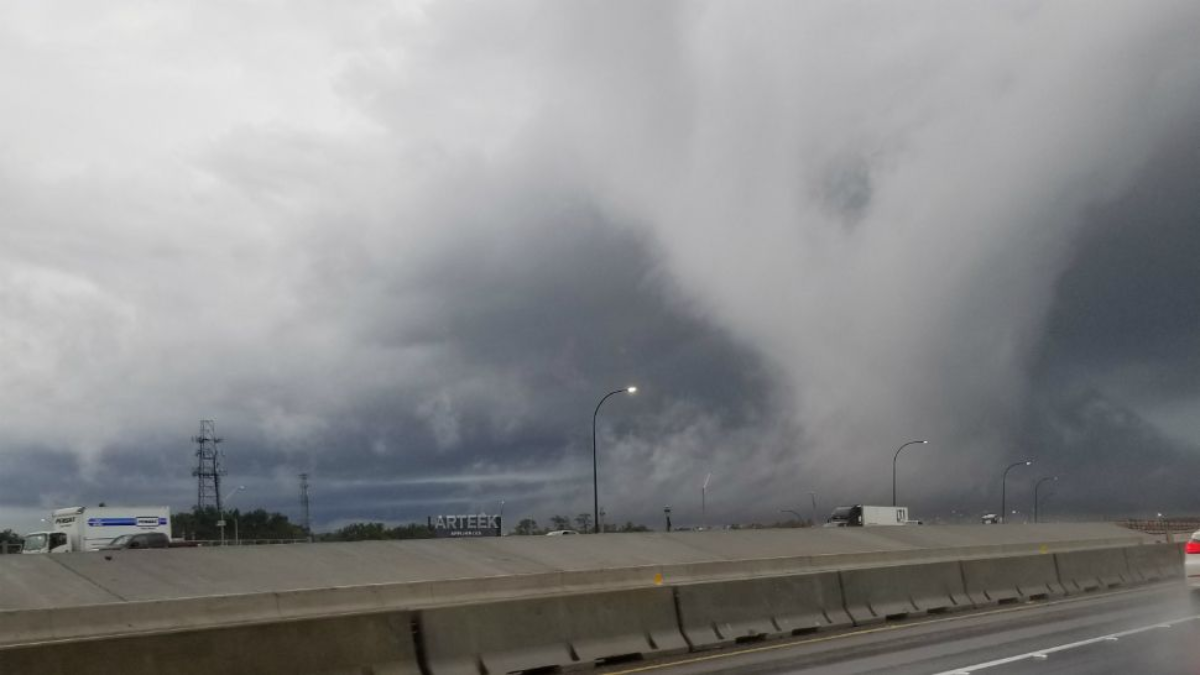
x,y
469,525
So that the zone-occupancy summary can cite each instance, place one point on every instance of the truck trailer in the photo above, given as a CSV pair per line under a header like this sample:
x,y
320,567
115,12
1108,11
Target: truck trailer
x,y
89,528
868,516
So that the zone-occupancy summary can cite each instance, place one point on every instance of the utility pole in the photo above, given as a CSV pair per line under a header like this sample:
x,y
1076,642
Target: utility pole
x,y
304,506
208,469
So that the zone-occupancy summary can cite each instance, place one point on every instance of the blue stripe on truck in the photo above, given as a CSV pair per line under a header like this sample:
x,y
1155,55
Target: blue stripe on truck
x,y
146,521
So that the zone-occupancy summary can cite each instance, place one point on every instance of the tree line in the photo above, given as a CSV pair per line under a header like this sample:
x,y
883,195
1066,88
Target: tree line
x,y
260,524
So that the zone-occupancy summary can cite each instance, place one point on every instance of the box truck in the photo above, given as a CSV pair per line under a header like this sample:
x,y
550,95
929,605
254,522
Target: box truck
x,y
868,516
88,528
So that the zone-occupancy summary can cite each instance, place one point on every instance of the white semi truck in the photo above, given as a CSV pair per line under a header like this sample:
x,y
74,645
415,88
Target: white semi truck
x,y
868,516
87,528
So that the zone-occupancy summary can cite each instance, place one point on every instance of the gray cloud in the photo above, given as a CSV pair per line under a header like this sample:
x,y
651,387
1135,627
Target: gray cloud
x,y
407,249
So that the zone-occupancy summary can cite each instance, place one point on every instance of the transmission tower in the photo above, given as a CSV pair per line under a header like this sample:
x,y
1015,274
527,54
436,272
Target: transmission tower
x,y
304,506
208,469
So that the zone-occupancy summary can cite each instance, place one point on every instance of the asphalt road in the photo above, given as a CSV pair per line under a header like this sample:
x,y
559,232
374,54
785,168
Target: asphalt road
x,y
1153,629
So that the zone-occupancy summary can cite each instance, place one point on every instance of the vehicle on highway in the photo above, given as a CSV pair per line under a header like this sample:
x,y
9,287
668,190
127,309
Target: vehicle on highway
x,y
868,516
559,533
135,541
1191,564
88,528
990,519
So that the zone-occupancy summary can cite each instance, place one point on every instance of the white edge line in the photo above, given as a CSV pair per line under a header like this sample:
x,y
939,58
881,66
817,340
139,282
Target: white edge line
x,y
967,670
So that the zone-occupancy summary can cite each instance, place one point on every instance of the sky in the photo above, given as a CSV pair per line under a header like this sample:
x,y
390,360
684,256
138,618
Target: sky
x,y
407,247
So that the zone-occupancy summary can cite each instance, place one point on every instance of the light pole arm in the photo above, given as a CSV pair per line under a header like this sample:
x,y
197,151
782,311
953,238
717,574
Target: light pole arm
x,y
896,457
1004,488
595,465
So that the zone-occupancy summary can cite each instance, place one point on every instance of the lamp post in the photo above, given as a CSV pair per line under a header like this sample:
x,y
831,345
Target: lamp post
x,y
667,513
813,496
704,501
1035,494
894,458
224,508
1004,488
595,472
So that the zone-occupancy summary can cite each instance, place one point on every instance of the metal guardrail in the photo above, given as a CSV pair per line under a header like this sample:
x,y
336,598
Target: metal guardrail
x,y
16,548
1171,529
239,542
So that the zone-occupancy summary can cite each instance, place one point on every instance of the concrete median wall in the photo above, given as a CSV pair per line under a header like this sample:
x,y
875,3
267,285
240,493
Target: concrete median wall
x,y
537,633
874,594
378,644
1154,562
521,603
1083,571
716,614
1015,578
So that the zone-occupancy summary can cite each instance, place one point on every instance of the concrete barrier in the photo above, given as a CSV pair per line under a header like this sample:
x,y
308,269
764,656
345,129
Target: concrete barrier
x,y
535,633
380,644
1083,571
731,584
1154,562
716,614
1015,578
874,594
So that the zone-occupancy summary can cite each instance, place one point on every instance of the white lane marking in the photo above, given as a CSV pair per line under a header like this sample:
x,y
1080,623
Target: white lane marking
x,y
1045,653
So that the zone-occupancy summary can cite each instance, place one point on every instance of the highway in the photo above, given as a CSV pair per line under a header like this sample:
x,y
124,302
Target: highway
x,y
1152,629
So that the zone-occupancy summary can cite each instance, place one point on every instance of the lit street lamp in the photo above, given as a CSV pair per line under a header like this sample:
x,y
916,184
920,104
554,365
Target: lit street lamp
x,y
1004,488
1035,494
894,458
595,472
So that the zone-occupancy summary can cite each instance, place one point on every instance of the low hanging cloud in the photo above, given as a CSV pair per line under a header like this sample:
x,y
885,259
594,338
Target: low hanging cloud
x,y
406,249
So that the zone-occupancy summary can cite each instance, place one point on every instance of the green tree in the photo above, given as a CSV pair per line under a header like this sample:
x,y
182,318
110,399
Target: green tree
x,y
527,527
411,531
260,524
201,524
361,532
197,524
583,522
560,523
378,532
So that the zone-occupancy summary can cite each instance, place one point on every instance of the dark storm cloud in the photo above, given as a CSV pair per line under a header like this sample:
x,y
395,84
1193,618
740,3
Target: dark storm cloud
x,y
1126,309
406,250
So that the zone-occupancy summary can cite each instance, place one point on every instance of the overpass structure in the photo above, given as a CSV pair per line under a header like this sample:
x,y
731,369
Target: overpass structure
x,y
513,604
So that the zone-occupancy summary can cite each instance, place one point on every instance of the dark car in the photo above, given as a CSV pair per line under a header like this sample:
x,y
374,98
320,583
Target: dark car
x,y
142,540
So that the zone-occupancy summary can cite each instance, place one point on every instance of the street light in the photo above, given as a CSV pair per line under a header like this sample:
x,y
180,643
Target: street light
x,y
667,513
1035,494
224,509
704,501
595,472
894,458
813,495
1004,488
